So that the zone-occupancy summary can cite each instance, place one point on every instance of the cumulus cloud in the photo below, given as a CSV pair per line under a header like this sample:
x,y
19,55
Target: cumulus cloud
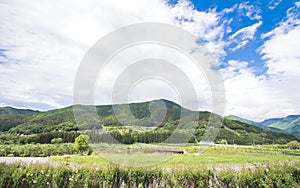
x,y
194,21
243,36
247,32
251,11
281,48
274,94
43,42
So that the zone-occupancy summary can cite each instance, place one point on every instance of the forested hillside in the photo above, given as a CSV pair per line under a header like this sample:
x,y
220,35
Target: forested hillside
x,y
139,129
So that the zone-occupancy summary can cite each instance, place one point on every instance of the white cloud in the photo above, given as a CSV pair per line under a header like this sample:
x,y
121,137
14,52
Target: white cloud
x,y
229,10
247,32
273,4
112,71
257,97
243,36
281,50
45,41
240,45
251,11
205,25
275,94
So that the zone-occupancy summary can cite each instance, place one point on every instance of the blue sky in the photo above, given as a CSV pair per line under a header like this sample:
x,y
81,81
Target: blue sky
x,y
255,43
271,14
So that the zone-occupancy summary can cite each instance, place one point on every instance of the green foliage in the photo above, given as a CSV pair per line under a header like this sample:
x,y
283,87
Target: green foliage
x,y
17,175
42,138
129,136
223,141
137,154
110,120
289,124
56,140
53,120
36,150
62,120
246,134
10,110
8,121
81,143
293,145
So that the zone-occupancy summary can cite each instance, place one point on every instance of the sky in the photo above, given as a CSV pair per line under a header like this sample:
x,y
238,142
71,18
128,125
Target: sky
x,y
255,44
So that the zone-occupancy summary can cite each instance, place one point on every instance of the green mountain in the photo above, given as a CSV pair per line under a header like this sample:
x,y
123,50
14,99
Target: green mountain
x,y
266,128
289,124
12,117
53,120
145,127
10,110
243,120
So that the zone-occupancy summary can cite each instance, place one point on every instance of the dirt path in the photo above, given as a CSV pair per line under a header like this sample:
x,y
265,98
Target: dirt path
x,y
238,167
27,160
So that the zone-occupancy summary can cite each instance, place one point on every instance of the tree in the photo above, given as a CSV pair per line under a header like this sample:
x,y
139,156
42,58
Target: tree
x,y
56,140
293,145
223,141
81,143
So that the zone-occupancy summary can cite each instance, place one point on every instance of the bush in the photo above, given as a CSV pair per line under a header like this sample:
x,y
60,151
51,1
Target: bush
x,y
81,143
18,175
36,150
223,141
293,145
56,140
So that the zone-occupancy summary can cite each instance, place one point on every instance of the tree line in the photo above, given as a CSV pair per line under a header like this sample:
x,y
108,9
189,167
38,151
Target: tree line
x,y
41,138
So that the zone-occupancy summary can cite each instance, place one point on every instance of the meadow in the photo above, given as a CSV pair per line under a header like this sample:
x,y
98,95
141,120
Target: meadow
x,y
195,156
63,176
141,165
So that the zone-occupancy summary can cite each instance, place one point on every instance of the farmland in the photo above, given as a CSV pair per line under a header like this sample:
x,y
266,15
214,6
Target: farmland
x,y
217,155
123,166
242,154
142,165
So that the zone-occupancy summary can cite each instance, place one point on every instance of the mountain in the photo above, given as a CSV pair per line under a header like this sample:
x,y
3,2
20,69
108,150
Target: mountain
x,y
141,128
63,119
266,128
243,120
289,124
10,110
12,117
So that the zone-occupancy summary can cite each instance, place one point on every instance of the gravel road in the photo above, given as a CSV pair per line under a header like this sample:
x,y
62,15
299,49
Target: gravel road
x,y
26,160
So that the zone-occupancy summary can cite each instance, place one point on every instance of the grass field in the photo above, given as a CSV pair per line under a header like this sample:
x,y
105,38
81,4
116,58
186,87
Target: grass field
x,y
212,156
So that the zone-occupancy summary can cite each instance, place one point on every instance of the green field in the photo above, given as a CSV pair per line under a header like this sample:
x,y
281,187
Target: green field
x,y
131,155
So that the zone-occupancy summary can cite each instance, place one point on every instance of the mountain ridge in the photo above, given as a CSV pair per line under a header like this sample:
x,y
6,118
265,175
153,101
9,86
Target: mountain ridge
x,y
12,110
289,124
63,119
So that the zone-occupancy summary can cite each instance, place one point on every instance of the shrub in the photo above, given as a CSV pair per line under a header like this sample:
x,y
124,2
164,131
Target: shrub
x,y
293,145
56,140
36,150
81,143
19,175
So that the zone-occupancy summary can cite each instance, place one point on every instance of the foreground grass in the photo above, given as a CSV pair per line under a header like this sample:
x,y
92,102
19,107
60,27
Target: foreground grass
x,y
36,176
213,156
